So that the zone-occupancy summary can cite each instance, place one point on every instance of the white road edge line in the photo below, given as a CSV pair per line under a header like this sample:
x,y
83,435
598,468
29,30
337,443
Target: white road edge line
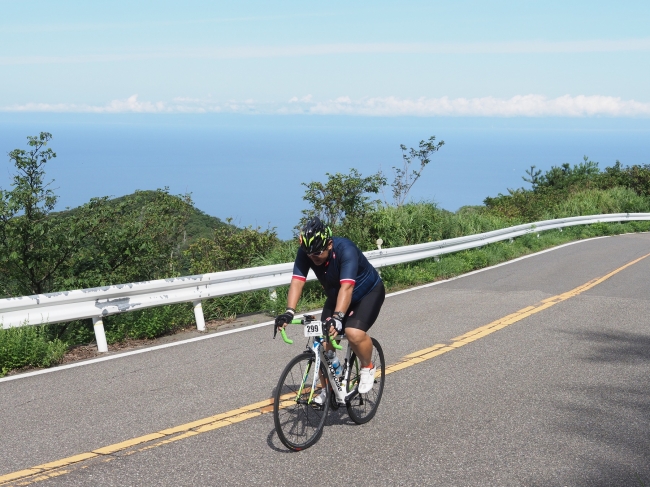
x,y
268,323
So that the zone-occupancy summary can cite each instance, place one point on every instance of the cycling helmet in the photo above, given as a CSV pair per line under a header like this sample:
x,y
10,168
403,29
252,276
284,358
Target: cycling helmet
x,y
315,235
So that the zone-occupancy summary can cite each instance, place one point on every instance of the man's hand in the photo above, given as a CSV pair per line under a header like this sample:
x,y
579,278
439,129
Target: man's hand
x,y
334,325
282,320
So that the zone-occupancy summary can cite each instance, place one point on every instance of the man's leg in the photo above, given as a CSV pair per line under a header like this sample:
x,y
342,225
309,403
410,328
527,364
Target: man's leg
x,y
361,345
360,318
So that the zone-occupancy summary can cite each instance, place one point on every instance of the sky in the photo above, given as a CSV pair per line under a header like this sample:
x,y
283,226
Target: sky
x,y
423,59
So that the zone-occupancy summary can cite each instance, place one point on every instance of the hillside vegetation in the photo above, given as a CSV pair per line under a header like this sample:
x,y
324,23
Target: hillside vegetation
x,y
152,234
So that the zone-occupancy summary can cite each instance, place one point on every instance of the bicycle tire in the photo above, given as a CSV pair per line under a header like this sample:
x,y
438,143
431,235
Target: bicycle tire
x,y
333,404
363,407
299,425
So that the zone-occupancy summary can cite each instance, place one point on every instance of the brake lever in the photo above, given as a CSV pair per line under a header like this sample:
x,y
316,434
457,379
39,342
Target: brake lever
x,y
326,331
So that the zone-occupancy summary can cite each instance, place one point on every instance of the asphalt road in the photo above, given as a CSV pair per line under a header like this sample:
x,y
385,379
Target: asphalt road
x,y
559,398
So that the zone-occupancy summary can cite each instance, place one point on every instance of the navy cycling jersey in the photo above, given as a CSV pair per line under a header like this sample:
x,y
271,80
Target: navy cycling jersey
x,y
345,263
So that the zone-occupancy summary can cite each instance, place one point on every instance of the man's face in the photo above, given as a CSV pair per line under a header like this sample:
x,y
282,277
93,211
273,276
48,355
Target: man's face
x,y
320,259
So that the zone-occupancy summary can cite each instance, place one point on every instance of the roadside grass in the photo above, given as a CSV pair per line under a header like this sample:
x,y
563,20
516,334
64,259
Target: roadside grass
x,y
28,346
44,346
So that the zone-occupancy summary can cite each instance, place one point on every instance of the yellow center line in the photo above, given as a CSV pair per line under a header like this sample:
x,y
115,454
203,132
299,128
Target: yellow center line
x,y
187,430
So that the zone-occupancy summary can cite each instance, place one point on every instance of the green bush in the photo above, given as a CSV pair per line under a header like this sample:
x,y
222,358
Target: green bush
x,y
230,248
636,178
28,346
579,190
148,323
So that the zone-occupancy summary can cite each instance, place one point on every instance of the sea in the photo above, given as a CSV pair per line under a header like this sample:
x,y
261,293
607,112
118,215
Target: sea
x,y
251,167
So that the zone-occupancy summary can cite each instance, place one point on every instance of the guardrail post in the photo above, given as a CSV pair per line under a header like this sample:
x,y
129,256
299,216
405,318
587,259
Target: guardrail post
x,y
198,315
273,295
379,244
100,335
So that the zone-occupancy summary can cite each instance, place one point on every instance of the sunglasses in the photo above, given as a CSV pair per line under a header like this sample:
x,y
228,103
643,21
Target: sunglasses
x,y
317,254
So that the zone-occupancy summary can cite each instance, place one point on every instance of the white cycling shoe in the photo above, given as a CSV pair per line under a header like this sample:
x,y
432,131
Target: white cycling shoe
x,y
321,398
366,379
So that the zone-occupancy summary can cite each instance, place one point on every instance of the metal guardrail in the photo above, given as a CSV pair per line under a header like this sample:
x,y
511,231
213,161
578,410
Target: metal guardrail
x,y
99,302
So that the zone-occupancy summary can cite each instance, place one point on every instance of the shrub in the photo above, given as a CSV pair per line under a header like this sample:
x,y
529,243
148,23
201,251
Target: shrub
x,y
28,346
230,248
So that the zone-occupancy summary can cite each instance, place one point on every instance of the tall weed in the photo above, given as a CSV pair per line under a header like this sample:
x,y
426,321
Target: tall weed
x,y
416,223
597,201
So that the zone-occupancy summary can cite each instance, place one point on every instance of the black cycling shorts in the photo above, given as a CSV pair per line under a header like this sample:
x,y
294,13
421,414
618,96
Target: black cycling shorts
x,y
361,315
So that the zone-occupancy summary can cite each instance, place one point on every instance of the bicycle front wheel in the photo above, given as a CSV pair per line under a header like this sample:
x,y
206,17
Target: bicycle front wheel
x,y
299,420
363,407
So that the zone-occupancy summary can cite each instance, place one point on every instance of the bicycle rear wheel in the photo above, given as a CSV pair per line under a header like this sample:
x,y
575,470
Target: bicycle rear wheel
x,y
299,422
363,407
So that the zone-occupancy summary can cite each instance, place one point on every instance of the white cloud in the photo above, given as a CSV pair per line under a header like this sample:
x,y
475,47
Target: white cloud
x,y
130,105
304,99
517,106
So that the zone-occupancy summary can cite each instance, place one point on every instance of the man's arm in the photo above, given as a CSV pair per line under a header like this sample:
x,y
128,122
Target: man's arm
x,y
344,297
295,291
343,301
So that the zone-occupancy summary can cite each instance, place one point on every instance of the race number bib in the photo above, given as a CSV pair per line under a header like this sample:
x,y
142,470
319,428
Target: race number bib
x,y
313,329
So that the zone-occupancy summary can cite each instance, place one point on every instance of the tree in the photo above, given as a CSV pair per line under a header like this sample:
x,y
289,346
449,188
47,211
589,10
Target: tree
x,y
404,177
32,247
342,195
534,176
101,242
564,176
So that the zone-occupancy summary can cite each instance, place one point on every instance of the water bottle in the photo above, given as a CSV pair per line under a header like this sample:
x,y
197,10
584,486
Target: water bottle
x,y
336,364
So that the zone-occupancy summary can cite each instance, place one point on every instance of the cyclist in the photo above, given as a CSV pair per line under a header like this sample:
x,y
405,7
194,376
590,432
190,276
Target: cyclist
x,y
355,292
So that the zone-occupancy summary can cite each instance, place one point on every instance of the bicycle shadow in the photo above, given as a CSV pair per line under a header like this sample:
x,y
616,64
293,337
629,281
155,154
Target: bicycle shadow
x,y
335,417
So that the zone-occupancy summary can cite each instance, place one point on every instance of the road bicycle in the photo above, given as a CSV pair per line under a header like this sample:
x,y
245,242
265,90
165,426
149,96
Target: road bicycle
x,y
299,419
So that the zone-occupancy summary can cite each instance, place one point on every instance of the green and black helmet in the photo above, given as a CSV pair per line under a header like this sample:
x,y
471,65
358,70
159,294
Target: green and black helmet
x,y
315,236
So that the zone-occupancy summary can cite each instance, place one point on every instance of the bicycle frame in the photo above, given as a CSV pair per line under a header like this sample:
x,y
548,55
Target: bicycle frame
x,y
338,385
317,348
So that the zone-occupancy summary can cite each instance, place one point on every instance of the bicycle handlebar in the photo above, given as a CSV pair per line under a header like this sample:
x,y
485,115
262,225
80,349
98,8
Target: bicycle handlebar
x,y
308,319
